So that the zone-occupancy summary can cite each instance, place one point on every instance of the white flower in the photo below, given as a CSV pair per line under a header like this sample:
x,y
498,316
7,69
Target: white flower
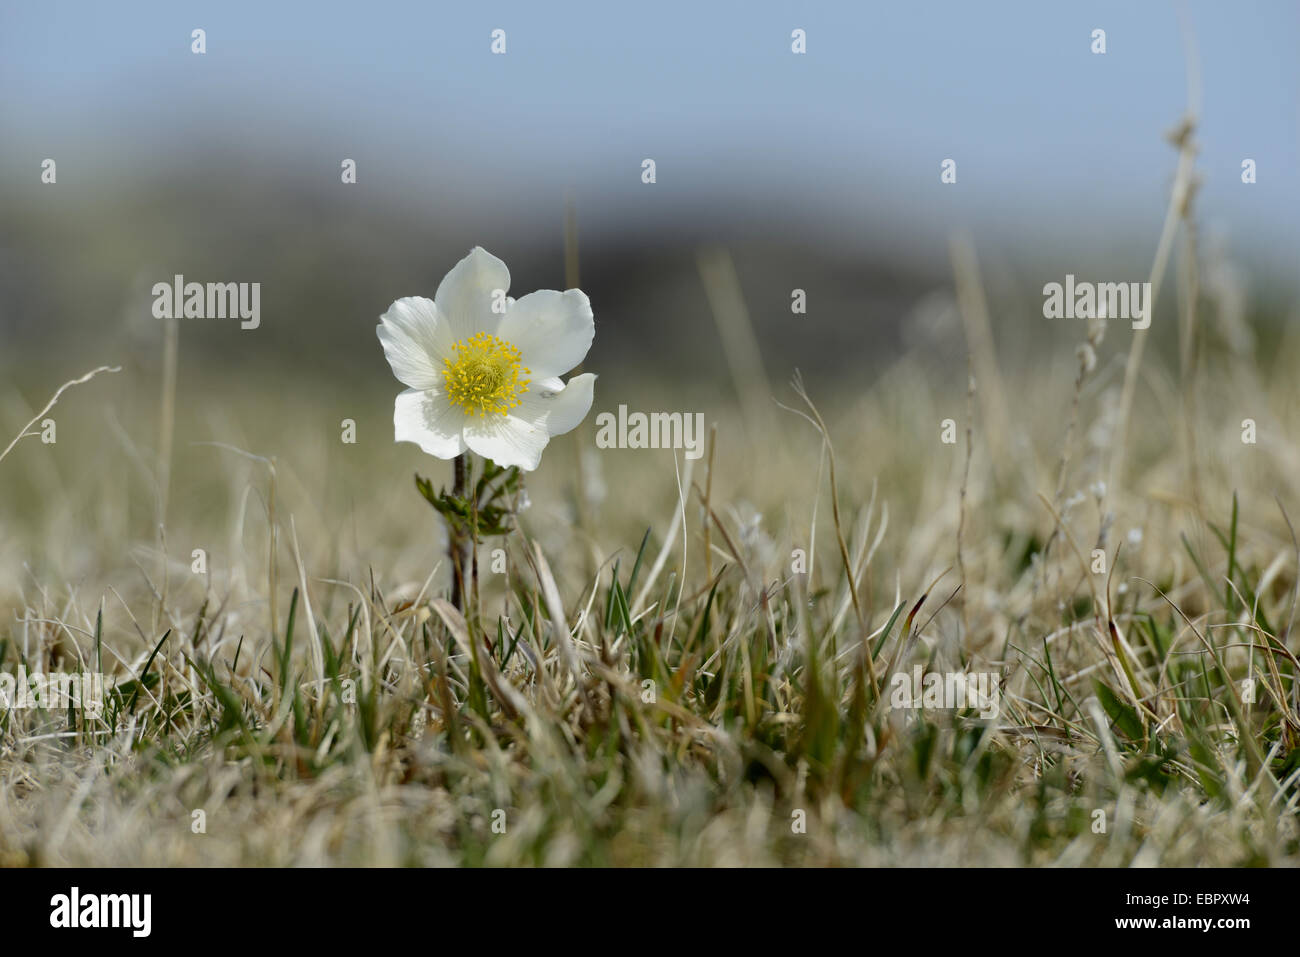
x,y
485,379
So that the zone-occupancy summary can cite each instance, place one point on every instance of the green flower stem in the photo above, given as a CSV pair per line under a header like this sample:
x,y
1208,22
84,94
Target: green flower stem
x,y
457,539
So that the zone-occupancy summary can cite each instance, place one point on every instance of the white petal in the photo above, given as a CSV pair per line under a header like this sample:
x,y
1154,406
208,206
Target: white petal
x,y
416,339
430,421
506,440
465,295
552,330
519,438
557,411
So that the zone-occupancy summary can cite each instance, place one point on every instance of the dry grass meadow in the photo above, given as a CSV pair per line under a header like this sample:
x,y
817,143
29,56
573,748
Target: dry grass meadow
x,y
683,661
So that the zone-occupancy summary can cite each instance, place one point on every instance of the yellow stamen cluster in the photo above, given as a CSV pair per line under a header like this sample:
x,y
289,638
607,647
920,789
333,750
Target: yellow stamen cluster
x,y
484,376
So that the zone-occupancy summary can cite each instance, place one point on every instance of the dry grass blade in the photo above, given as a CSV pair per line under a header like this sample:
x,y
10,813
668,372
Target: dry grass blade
x,y
24,432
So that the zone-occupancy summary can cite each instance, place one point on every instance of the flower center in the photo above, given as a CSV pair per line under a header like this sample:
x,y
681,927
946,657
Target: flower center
x,y
484,375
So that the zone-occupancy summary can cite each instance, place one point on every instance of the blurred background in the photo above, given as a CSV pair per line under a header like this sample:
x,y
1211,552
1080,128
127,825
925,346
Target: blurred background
x,y
818,171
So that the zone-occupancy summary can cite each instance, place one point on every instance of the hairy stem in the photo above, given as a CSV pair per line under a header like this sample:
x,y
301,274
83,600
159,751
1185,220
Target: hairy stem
x,y
457,541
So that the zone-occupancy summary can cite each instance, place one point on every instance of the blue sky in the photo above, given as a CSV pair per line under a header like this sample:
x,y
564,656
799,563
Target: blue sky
x,y
1053,144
